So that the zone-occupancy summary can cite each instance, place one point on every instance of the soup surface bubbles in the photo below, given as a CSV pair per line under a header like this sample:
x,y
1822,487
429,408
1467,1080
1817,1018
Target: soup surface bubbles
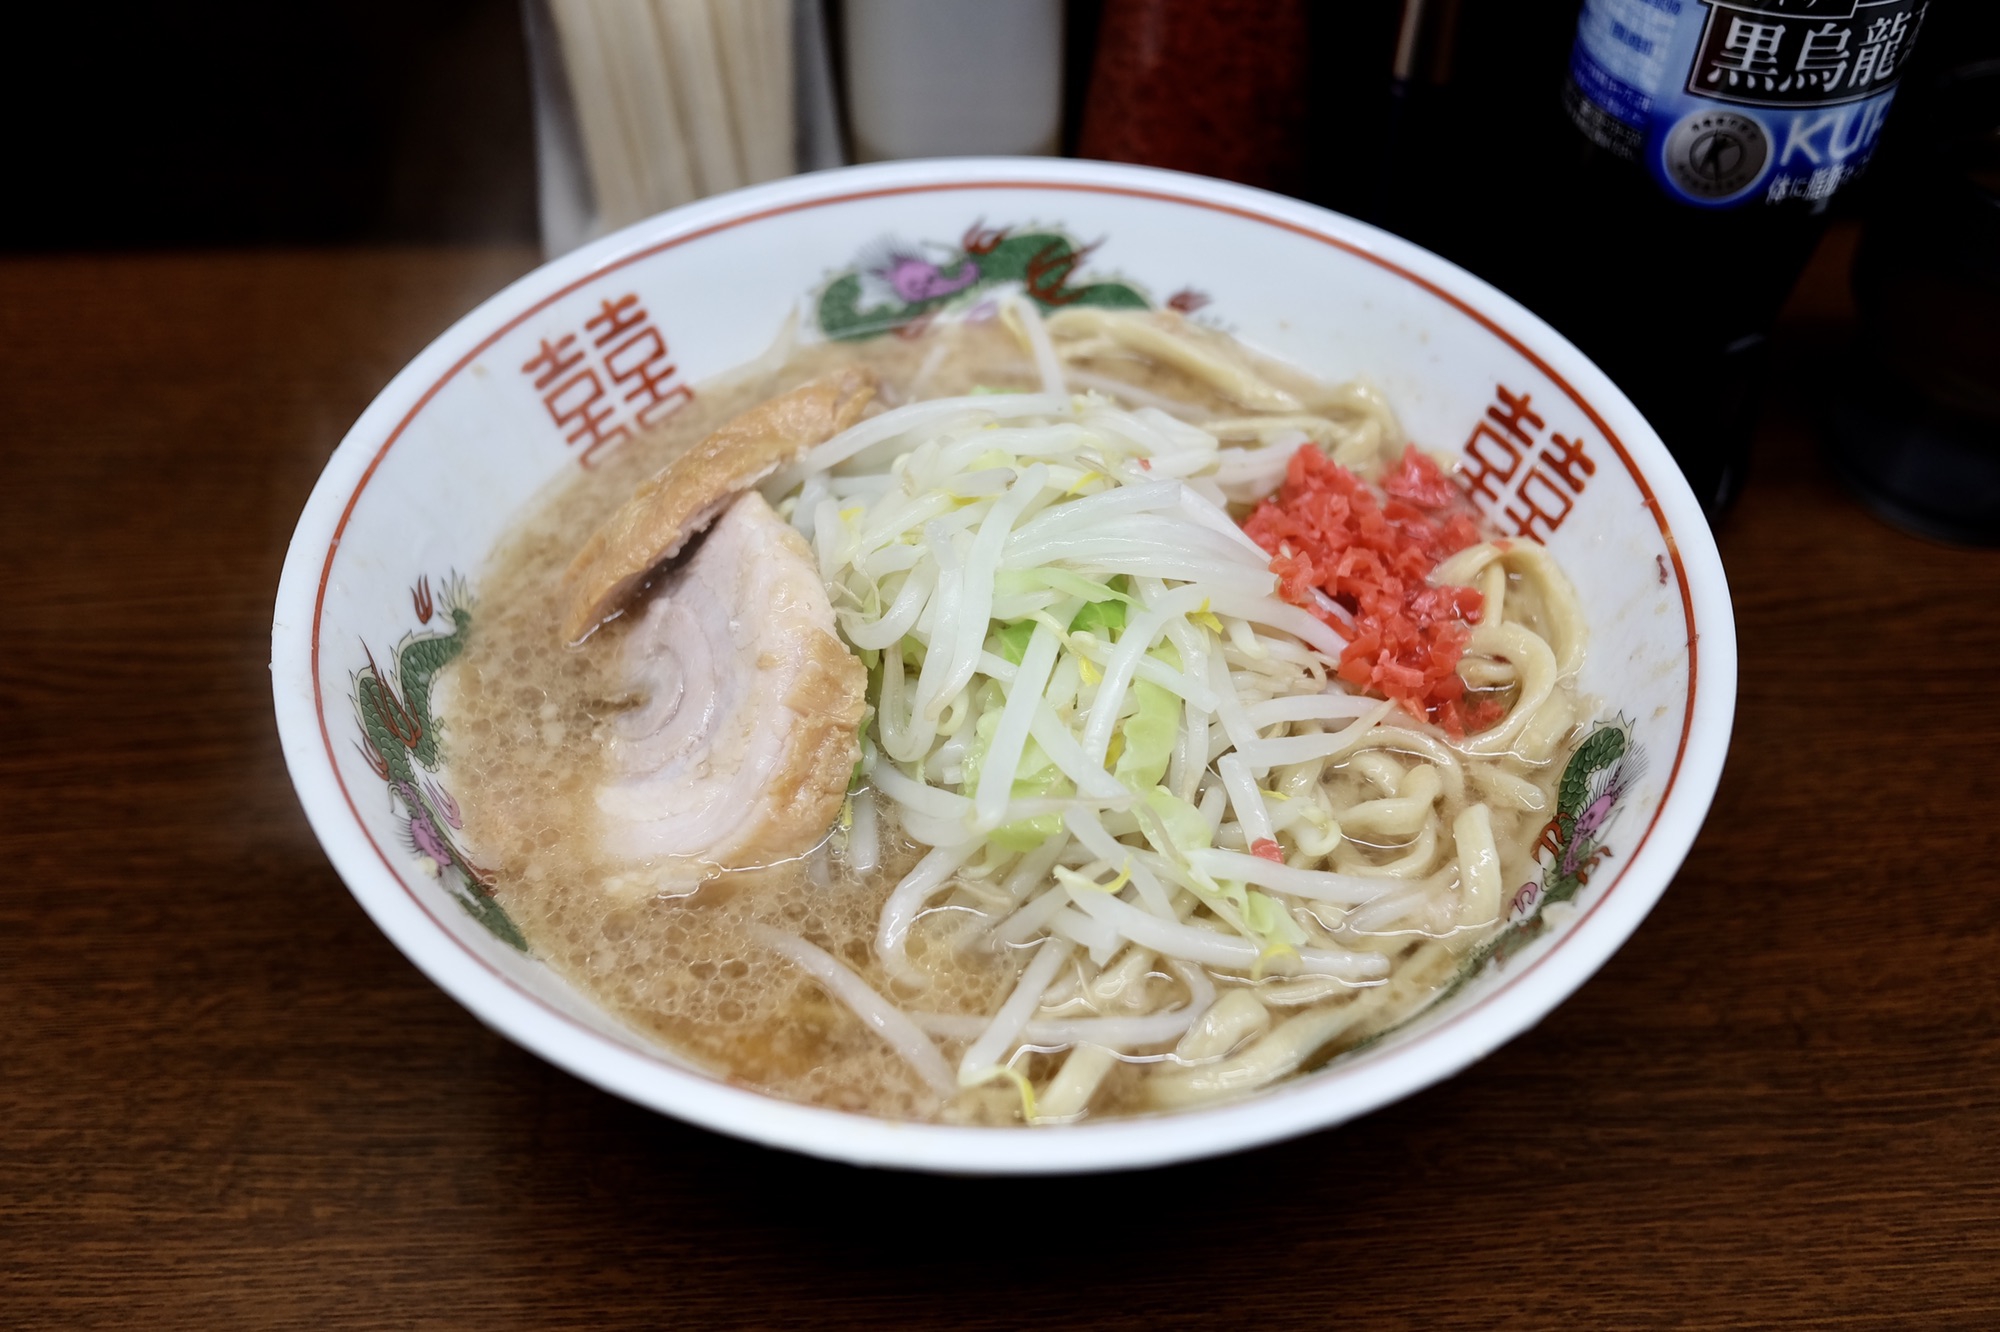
x,y
1122,828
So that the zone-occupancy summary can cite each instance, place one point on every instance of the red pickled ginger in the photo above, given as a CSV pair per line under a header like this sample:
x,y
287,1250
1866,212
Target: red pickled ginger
x,y
1327,531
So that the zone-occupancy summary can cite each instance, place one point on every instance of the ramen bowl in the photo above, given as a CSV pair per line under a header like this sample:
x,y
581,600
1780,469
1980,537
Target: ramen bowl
x,y
567,363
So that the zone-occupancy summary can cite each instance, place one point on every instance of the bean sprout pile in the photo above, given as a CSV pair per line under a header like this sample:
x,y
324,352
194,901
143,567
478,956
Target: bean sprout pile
x,y
1123,758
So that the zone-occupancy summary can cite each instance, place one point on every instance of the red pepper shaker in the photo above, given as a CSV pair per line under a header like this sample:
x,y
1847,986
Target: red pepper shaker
x,y
1216,87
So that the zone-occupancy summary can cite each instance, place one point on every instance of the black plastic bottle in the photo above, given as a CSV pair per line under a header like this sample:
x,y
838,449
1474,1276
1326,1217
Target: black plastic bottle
x,y
1708,140
1914,413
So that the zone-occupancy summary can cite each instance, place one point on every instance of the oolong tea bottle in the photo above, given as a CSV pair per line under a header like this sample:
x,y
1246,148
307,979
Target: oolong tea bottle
x,y
1710,137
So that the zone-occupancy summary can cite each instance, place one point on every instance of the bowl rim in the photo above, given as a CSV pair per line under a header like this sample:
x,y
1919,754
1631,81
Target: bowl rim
x,y
629,1069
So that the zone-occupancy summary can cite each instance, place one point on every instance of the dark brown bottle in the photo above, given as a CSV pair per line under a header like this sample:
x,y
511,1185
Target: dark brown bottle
x,y
1709,140
1656,195
1914,419
1216,87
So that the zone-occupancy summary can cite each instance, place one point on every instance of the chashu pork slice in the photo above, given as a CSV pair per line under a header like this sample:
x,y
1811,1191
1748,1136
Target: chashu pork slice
x,y
742,753
685,496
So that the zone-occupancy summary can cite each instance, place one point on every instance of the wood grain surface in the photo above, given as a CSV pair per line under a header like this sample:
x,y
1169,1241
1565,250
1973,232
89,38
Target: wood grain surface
x,y
226,1101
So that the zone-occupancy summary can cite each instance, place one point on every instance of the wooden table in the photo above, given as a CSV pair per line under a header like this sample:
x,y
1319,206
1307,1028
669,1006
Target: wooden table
x,y
226,1101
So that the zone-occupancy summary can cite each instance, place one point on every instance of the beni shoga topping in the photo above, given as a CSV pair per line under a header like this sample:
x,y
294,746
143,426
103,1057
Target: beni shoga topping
x,y
1199,727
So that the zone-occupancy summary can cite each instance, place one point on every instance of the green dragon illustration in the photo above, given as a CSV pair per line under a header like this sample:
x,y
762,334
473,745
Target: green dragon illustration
x,y
1600,773
400,736
1041,262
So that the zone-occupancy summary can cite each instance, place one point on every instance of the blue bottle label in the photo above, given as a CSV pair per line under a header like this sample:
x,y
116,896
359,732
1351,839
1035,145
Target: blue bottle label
x,y
1735,102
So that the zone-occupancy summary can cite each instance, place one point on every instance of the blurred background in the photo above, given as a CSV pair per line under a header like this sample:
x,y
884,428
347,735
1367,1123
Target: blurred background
x,y
546,122
236,123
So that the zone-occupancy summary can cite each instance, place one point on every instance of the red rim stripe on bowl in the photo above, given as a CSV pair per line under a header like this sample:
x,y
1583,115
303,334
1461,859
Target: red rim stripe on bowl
x,y
1073,187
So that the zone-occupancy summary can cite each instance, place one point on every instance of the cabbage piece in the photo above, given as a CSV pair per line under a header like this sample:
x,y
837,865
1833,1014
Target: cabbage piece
x,y
1054,578
1148,737
1270,922
1254,914
1182,824
1012,641
1102,618
1036,777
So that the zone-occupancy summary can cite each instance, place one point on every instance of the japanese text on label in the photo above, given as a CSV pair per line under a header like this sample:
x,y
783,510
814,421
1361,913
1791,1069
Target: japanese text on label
x,y
1802,52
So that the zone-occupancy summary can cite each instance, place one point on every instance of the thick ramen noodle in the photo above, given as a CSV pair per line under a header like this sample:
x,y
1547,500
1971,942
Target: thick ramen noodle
x,y
1117,820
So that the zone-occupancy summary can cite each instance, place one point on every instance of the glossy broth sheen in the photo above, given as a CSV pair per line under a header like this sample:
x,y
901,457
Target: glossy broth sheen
x,y
526,725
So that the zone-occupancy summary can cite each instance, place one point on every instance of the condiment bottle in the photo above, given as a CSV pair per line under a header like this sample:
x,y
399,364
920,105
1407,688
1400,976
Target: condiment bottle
x,y
1710,138
1216,87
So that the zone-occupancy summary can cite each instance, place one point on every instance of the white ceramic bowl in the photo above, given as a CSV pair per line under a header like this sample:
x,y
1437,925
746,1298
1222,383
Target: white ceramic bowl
x,y
454,447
